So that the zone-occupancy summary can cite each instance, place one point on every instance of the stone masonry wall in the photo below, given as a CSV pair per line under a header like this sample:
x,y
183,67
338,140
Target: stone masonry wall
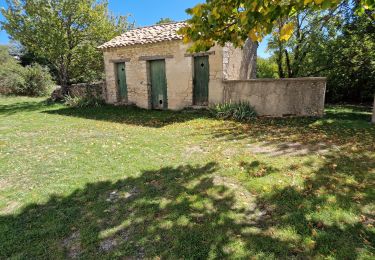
x,y
279,97
179,73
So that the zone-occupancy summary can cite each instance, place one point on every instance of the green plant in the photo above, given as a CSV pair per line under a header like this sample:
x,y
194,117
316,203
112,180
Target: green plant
x,y
241,111
12,79
83,101
266,68
33,80
38,80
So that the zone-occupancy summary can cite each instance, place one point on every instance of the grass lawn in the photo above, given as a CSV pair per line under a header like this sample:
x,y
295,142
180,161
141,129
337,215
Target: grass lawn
x,y
115,182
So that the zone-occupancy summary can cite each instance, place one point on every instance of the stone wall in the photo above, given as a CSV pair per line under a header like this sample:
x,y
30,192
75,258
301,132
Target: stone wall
x,y
279,97
96,89
270,97
179,73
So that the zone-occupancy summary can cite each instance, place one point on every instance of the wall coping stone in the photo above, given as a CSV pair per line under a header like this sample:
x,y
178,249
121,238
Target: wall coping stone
x,y
278,80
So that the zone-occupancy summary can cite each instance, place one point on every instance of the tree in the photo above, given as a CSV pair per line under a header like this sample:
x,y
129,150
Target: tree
x,y
311,30
222,21
165,20
64,32
266,68
347,61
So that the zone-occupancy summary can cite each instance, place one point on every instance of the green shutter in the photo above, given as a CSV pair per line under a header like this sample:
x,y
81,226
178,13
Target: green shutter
x,y
201,78
121,81
158,85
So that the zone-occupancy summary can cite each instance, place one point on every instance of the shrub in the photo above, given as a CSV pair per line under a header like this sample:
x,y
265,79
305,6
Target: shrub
x,y
38,81
12,79
241,111
86,101
33,80
11,73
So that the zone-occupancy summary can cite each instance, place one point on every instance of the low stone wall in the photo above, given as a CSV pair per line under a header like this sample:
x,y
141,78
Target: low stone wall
x,y
279,97
96,89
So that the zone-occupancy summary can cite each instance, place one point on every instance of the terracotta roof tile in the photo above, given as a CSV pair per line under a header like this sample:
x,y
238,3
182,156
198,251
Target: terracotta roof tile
x,y
144,35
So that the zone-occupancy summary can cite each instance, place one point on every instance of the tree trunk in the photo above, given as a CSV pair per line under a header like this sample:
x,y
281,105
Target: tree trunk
x,y
64,80
248,69
290,72
373,112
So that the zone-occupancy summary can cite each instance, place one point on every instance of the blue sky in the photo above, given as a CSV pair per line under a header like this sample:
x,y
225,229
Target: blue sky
x,y
146,12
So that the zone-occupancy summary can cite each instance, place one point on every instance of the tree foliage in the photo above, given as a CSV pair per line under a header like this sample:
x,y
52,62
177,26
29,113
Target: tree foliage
x,y
311,29
266,68
165,20
347,60
221,21
65,33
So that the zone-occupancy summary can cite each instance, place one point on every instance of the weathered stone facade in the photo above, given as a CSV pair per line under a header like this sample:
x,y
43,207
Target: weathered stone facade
x,y
179,73
228,67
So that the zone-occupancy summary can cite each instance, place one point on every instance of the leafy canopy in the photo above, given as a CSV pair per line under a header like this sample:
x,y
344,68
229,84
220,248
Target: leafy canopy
x,y
221,21
64,32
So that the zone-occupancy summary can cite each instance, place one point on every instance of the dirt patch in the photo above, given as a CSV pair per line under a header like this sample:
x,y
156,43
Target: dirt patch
x,y
10,207
249,211
229,152
108,244
288,148
115,195
72,245
3,184
193,150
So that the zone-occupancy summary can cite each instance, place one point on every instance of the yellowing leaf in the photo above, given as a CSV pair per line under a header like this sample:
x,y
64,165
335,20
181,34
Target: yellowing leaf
x,y
318,2
185,39
286,31
215,13
254,35
306,2
196,10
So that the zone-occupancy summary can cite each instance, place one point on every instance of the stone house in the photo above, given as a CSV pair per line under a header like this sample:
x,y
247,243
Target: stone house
x,y
150,67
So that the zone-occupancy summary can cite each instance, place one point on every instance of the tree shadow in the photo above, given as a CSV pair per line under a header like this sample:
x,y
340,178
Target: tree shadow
x,y
171,212
187,212
132,115
301,136
19,107
333,211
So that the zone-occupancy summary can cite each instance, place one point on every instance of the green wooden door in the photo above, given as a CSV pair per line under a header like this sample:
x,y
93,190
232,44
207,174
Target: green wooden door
x,y
201,78
158,85
121,81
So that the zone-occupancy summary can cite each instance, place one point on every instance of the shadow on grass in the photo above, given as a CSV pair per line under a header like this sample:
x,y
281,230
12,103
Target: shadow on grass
x,y
183,213
132,115
302,136
19,107
171,212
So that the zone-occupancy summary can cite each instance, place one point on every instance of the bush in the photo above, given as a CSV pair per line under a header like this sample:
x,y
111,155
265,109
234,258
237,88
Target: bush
x,y
12,79
87,101
33,80
241,111
38,81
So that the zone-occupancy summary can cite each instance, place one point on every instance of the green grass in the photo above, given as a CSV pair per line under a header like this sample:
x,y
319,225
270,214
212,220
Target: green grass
x,y
114,182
